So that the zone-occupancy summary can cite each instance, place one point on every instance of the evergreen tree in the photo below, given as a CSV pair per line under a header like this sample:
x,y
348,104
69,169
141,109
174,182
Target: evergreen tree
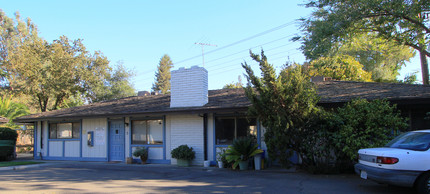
x,y
162,76
285,103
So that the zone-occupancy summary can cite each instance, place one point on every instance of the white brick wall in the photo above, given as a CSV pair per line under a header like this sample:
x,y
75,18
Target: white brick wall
x,y
187,129
189,87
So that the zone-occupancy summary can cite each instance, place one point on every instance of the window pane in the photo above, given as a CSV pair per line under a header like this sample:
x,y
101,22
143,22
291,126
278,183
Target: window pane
x,y
155,132
138,130
76,130
52,131
247,127
64,130
224,131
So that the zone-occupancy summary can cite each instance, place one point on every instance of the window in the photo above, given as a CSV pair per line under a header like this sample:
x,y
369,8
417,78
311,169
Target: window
x,y
64,130
229,128
147,132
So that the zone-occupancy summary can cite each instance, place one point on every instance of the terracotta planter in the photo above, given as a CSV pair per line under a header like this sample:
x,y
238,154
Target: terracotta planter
x,y
184,163
129,160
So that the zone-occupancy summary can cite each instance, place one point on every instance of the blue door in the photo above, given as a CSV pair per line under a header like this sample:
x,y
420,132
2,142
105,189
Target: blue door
x,y
116,140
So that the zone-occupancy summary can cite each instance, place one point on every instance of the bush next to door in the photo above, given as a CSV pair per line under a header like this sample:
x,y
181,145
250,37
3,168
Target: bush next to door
x,y
7,143
183,154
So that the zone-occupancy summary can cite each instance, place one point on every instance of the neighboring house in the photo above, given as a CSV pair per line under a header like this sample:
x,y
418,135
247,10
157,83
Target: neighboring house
x,y
192,115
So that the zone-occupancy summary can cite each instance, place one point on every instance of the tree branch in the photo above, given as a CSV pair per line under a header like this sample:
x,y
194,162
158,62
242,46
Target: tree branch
x,y
407,18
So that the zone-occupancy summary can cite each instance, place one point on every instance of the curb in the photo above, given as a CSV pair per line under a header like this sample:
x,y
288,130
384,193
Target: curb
x,y
22,167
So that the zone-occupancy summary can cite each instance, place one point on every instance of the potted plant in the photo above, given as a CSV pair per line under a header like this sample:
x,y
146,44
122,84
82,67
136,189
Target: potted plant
x,y
184,155
142,153
241,151
220,157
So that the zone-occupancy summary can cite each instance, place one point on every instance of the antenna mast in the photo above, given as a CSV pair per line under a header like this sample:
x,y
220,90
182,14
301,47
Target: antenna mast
x,y
203,50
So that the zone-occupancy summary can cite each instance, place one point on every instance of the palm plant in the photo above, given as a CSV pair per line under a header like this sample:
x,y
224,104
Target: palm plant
x,y
241,150
11,110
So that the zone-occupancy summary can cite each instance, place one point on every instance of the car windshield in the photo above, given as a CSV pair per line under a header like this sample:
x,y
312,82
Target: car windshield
x,y
419,141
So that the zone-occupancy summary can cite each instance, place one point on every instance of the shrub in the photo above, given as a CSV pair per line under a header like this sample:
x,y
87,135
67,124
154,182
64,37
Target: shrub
x,y
8,140
8,134
367,124
183,152
338,135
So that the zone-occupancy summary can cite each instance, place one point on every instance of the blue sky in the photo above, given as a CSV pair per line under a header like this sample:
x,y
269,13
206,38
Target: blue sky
x,y
139,33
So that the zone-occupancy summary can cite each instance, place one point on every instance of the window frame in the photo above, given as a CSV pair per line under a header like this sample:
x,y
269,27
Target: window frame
x,y
73,135
147,132
235,118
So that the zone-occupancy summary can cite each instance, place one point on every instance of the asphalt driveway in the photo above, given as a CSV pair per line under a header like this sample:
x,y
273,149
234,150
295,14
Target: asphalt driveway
x,y
99,177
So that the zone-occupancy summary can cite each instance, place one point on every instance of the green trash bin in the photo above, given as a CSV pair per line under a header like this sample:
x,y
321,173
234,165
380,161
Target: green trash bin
x,y
7,149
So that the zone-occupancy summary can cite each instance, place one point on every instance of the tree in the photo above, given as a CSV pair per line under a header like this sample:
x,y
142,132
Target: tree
x,y
49,72
233,85
284,104
11,110
13,33
401,21
162,76
116,85
58,74
382,58
343,67
366,54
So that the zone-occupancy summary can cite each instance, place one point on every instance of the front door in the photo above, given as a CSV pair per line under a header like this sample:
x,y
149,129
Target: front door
x,y
116,140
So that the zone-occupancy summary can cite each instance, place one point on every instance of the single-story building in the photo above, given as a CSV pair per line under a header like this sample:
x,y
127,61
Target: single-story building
x,y
207,120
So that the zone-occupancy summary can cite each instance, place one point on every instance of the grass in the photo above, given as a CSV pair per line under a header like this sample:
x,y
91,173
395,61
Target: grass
x,y
17,163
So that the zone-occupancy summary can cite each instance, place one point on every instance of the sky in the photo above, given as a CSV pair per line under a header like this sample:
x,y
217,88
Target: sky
x,y
138,33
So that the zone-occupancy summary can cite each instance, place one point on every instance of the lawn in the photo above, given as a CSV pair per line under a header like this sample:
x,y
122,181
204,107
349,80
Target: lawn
x,y
17,163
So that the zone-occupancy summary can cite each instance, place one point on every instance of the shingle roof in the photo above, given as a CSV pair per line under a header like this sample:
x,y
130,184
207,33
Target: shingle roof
x,y
233,99
344,91
225,99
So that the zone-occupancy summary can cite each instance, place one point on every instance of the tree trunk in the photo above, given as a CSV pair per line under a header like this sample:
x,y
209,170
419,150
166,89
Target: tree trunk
x,y
424,68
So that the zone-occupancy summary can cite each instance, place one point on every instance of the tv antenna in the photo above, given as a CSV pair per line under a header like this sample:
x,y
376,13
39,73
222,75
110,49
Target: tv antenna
x,y
203,50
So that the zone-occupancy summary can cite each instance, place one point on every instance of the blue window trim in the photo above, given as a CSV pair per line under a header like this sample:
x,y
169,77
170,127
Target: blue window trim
x,y
164,137
48,138
108,139
35,139
70,121
214,139
153,161
215,146
75,159
163,118
80,141
64,139
149,145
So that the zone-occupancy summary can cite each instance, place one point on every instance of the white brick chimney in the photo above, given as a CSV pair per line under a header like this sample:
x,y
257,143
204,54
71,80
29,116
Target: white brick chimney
x,y
189,87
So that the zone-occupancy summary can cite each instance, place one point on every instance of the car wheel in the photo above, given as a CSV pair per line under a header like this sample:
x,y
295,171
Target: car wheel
x,y
423,183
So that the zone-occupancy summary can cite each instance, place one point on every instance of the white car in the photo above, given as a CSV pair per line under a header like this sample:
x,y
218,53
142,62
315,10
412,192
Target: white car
x,y
405,161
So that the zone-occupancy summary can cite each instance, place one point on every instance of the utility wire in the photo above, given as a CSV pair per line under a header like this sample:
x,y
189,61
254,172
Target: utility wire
x,y
251,49
240,41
